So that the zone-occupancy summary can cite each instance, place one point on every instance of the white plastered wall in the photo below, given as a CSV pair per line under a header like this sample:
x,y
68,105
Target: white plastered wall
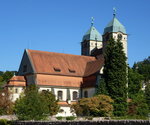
x,y
71,93
44,88
15,95
124,41
91,91
66,112
93,45
64,90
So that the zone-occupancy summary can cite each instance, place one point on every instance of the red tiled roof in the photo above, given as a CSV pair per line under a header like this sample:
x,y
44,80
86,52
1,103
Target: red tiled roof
x,y
18,78
64,103
93,67
17,81
64,64
57,80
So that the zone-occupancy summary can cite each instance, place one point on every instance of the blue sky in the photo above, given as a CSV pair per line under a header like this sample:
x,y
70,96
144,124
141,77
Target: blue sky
x,y
58,26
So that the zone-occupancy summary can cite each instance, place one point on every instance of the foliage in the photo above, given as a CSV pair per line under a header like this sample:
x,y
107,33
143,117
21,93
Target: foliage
x,y
5,76
134,82
143,67
100,105
6,105
31,106
115,75
5,122
138,106
1,78
51,102
101,87
70,118
1,73
59,118
147,95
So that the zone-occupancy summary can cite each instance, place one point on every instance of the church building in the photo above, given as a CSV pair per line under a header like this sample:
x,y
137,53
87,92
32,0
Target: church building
x,y
69,77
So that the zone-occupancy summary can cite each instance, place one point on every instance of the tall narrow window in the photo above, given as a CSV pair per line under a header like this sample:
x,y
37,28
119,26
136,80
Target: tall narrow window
x,y
16,90
59,95
86,94
75,95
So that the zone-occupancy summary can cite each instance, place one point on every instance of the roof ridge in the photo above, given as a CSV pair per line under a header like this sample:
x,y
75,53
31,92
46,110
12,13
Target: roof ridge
x,y
29,50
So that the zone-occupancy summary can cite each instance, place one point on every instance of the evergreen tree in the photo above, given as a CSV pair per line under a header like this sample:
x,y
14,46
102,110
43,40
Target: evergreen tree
x,y
134,83
101,89
115,75
147,95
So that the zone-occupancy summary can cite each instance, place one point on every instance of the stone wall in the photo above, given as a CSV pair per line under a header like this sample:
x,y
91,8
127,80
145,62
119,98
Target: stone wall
x,y
105,122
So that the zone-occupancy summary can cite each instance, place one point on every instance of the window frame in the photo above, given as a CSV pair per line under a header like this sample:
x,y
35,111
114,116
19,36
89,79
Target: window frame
x,y
74,95
60,95
85,94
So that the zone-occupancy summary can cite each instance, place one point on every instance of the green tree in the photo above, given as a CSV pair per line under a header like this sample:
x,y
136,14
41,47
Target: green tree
x,y
1,73
115,75
138,106
100,105
147,95
31,106
134,82
101,89
7,75
52,103
1,78
143,67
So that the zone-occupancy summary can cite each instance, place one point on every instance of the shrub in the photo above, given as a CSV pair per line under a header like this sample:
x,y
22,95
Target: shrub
x,y
100,105
59,118
5,122
70,118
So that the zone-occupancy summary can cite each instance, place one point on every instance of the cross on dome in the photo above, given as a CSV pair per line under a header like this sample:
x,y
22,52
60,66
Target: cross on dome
x,y
114,11
92,21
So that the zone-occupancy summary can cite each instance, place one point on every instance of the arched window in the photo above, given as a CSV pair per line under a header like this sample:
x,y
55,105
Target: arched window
x,y
16,90
75,95
86,94
60,95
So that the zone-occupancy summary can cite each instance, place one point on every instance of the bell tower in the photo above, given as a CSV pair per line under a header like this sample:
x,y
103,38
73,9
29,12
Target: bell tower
x,y
117,31
91,40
